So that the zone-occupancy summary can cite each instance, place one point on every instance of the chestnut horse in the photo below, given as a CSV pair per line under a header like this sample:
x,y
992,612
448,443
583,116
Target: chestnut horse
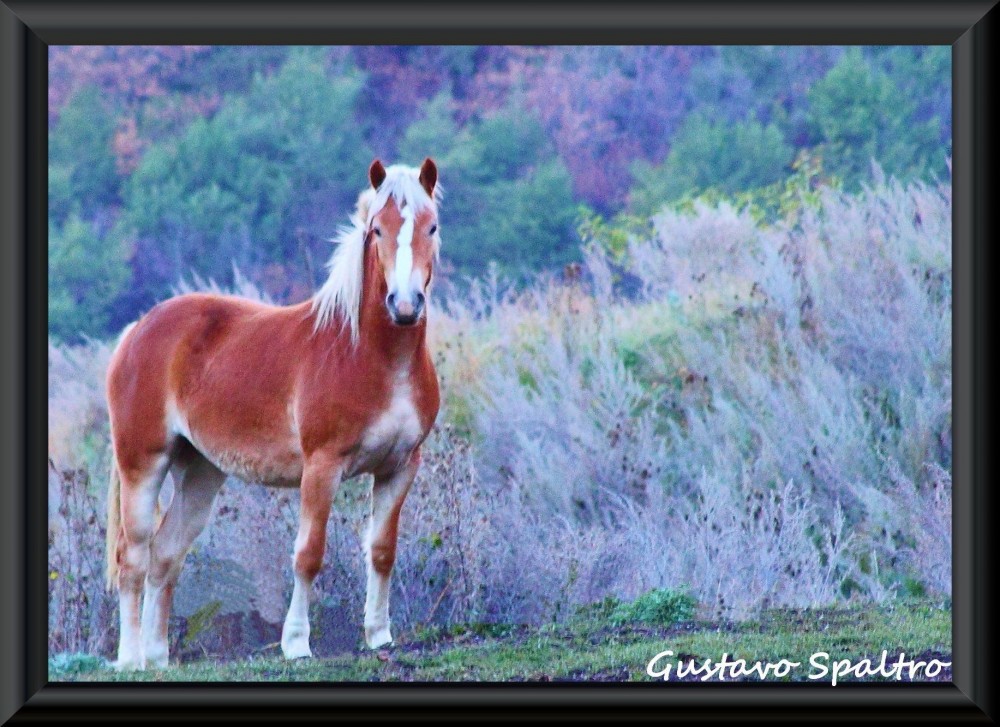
x,y
306,395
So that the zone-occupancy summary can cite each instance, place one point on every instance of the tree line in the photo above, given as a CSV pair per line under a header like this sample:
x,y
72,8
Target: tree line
x,y
170,162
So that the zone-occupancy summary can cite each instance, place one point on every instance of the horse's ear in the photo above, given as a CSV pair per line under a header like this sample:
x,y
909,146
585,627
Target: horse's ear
x,y
376,173
428,176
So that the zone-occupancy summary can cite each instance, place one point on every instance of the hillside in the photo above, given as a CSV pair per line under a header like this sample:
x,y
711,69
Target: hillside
x,y
171,162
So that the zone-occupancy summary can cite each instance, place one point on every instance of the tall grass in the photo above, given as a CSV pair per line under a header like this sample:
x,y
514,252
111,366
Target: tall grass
x,y
766,423
772,414
80,611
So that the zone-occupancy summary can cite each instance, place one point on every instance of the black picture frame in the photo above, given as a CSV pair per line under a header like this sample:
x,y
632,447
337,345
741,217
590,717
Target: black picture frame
x,y
27,27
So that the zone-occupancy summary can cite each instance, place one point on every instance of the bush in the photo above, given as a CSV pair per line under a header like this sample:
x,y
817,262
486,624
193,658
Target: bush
x,y
64,665
659,607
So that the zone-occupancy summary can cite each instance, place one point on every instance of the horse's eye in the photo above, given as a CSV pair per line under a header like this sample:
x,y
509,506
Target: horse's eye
x,y
434,228
378,232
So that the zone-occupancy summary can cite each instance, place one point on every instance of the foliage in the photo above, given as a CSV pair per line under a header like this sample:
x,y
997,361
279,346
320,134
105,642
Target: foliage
x,y
861,114
130,75
260,183
433,135
729,157
923,75
745,327
612,236
87,272
761,81
509,198
658,607
603,107
82,175
188,159
400,80
200,621
780,203
65,666
80,610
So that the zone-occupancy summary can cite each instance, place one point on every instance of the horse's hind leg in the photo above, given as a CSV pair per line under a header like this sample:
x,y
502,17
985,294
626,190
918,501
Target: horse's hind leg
x,y
141,479
196,482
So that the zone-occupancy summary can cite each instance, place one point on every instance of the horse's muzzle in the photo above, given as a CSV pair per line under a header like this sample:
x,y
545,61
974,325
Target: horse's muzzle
x,y
405,312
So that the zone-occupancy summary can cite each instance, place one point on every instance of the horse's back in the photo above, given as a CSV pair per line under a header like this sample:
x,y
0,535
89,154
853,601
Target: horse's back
x,y
197,358
156,345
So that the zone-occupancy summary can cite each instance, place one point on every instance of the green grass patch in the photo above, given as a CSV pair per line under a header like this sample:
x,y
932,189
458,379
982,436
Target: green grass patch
x,y
589,647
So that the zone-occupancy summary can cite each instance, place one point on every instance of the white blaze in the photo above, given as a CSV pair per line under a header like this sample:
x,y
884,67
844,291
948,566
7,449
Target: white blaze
x,y
404,251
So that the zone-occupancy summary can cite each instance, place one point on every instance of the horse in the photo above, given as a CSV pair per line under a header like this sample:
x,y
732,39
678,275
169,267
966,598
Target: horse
x,y
306,395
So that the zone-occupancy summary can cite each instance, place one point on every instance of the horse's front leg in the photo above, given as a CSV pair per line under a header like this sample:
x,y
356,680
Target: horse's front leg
x,y
320,478
388,494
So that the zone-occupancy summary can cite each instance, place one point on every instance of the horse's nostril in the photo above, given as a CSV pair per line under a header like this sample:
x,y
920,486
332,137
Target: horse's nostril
x,y
390,300
420,301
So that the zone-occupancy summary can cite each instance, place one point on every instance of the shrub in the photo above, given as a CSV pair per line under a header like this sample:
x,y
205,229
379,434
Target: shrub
x,y
61,665
82,175
659,607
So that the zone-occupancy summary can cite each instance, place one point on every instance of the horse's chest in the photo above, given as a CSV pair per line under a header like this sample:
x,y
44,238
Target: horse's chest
x,y
392,435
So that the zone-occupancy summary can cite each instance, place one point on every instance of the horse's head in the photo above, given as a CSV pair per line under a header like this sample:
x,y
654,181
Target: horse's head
x,y
404,231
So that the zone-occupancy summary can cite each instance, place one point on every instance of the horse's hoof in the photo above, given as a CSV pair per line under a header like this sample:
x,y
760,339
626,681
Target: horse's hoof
x,y
378,637
157,658
128,665
299,650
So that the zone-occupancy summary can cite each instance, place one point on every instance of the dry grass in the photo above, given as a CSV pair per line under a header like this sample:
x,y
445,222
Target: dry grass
x,y
768,425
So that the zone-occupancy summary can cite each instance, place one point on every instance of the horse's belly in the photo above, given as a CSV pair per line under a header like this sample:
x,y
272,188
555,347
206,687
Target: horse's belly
x,y
277,468
274,460
268,452
271,466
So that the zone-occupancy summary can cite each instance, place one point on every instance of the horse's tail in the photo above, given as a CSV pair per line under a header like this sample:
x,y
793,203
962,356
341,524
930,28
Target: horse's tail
x,y
114,526
114,501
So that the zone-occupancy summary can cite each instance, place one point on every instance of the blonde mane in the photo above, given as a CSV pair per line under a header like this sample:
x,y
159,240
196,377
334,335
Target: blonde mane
x,y
340,296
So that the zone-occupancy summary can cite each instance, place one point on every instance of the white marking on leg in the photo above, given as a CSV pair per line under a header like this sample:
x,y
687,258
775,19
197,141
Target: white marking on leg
x,y
295,632
384,499
377,631
139,523
154,645
130,654
377,626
